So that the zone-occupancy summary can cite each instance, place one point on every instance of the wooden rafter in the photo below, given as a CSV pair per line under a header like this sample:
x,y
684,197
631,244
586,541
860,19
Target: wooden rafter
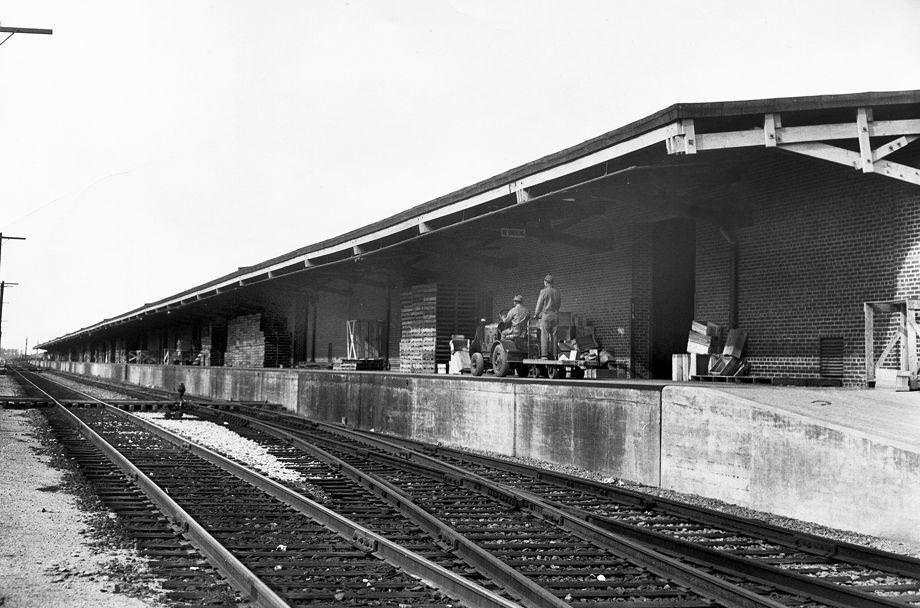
x,y
811,140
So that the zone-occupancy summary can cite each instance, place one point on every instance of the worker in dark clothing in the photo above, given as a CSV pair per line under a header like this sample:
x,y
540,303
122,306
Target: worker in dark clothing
x,y
175,410
547,311
516,318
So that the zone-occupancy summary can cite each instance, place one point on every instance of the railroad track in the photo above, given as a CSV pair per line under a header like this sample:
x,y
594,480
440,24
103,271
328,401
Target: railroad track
x,y
534,553
274,545
826,571
187,577
740,551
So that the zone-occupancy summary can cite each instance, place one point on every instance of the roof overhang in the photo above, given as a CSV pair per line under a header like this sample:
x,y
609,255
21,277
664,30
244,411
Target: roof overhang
x,y
809,126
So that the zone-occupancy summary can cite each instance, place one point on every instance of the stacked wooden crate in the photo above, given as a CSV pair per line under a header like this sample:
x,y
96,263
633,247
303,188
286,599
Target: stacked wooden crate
x,y
245,342
419,329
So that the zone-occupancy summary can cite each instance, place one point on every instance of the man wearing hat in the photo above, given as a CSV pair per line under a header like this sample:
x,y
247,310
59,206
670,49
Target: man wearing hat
x,y
517,318
547,311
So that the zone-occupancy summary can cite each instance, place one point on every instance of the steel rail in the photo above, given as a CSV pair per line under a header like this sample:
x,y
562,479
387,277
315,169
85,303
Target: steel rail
x,y
667,567
501,573
816,589
236,573
803,541
790,581
358,535
783,578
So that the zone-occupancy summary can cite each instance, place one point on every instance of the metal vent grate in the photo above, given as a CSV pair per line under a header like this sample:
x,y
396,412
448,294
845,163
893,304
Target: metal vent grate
x,y
831,354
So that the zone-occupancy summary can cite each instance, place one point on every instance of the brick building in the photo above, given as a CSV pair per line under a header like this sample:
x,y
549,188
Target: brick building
x,y
777,216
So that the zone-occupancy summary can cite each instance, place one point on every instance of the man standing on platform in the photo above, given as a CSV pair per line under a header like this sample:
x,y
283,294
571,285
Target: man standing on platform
x,y
547,311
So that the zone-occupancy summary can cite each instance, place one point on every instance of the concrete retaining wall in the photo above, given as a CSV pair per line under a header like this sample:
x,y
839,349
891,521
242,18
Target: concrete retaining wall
x,y
610,430
686,438
758,456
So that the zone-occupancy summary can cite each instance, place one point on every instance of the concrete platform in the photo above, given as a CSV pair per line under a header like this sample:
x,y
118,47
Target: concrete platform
x,y
892,415
839,457
843,458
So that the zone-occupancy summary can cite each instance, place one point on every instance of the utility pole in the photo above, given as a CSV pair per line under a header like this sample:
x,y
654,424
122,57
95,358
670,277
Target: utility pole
x,y
20,30
8,238
10,31
3,286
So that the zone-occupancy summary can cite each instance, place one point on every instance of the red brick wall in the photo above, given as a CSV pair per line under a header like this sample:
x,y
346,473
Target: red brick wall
x,y
333,309
823,239
640,304
595,282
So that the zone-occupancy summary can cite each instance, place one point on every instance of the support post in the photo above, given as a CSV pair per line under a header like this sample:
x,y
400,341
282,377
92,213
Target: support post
x,y
863,117
869,346
733,286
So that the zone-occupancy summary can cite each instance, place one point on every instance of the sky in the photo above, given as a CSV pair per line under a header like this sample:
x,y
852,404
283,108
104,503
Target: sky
x,y
149,146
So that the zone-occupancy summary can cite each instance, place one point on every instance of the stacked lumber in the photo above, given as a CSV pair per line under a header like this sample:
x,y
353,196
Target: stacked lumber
x,y
419,329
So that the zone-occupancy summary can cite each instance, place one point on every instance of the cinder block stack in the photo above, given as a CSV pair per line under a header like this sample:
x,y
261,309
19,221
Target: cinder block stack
x,y
419,329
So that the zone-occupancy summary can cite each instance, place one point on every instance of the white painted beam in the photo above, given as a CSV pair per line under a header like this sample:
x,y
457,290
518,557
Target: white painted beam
x,y
854,159
769,131
898,171
810,133
862,132
689,131
683,141
892,146
826,152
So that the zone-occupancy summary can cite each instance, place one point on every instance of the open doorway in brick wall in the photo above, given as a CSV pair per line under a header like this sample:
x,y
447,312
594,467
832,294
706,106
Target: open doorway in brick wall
x,y
673,276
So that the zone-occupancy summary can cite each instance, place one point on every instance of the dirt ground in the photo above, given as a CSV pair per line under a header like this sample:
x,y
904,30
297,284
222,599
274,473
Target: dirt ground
x,y
50,548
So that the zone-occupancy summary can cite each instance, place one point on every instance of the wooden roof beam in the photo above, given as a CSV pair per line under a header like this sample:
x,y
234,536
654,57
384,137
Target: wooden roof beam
x,y
810,140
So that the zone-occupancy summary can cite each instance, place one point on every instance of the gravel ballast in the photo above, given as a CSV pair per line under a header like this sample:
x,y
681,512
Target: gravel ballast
x,y
904,548
227,443
52,551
